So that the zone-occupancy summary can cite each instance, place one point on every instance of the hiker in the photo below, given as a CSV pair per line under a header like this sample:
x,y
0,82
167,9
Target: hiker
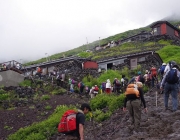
x,y
59,78
103,85
4,67
170,85
81,87
96,90
116,85
39,72
78,133
87,90
147,79
161,70
71,83
133,99
124,83
153,76
91,92
167,68
17,66
108,87
140,77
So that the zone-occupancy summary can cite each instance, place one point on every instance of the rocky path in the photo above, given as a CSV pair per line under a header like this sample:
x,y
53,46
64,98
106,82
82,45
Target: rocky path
x,y
157,124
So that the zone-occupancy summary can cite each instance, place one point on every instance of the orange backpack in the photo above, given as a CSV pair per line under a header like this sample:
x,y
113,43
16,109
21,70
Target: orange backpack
x,y
132,89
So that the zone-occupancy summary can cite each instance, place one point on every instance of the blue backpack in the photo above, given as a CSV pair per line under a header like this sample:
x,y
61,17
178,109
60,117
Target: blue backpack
x,y
172,77
162,69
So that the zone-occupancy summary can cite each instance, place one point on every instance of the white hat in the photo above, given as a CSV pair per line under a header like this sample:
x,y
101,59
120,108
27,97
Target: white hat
x,y
163,63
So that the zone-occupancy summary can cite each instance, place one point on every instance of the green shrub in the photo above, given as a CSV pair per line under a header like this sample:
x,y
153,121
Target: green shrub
x,y
116,102
100,101
112,102
45,97
103,116
25,83
2,91
4,96
58,91
48,107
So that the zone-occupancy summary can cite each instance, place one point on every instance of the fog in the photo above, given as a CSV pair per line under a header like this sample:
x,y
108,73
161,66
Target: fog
x,y
29,29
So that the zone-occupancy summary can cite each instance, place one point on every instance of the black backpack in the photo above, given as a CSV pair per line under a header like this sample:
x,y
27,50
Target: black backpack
x,y
172,77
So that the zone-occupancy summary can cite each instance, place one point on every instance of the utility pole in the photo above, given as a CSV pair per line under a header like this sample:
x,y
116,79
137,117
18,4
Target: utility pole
x,y
46,57
99,41
87,44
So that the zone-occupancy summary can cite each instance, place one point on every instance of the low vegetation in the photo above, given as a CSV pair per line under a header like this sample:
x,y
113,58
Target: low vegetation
x,y
170,52
42,130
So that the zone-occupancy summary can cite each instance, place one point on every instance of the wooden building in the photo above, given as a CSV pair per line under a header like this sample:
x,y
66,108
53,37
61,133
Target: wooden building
x,y
165,28
147,59
138,37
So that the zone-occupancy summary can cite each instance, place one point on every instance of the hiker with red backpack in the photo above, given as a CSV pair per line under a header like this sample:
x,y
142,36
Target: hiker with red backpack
x,y
72,123
154,78
96,90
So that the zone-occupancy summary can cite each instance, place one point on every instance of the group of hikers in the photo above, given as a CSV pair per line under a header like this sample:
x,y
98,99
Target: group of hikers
x,y
168,82
4,67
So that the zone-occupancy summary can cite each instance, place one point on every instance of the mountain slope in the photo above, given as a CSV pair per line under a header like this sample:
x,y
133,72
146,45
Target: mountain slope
x,y
92,45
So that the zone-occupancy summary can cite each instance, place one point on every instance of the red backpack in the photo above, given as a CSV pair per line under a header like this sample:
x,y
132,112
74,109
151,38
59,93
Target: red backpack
x,y
68,122
153,72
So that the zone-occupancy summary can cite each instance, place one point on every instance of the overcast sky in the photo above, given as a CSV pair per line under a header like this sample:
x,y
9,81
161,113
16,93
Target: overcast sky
x,y
31,28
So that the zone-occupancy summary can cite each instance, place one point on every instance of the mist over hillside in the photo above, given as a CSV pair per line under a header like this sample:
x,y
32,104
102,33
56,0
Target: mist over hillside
x,y
173,18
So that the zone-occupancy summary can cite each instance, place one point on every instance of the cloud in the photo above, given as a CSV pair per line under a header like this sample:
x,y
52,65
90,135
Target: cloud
x,y
31,28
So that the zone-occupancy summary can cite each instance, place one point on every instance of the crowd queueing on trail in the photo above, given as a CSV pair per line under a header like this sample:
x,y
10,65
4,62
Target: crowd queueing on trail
x,y
4,67
166,78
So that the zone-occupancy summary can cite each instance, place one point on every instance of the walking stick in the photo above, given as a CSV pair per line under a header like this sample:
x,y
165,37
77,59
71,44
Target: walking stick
x,y
156,98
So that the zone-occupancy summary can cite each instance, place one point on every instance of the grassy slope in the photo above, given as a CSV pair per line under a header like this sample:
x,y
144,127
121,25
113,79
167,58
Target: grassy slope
x,y
95,43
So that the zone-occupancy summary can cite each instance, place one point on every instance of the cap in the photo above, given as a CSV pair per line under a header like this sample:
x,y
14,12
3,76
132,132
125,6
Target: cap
x,y
85,105
163,63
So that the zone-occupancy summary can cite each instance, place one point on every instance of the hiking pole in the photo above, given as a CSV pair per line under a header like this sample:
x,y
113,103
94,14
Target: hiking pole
x,y
156,98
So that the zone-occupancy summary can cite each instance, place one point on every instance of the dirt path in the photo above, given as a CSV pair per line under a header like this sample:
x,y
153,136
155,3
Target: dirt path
x,y
157,124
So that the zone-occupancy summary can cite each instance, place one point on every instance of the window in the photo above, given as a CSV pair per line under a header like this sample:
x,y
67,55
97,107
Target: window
x,y
155,30
141,59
